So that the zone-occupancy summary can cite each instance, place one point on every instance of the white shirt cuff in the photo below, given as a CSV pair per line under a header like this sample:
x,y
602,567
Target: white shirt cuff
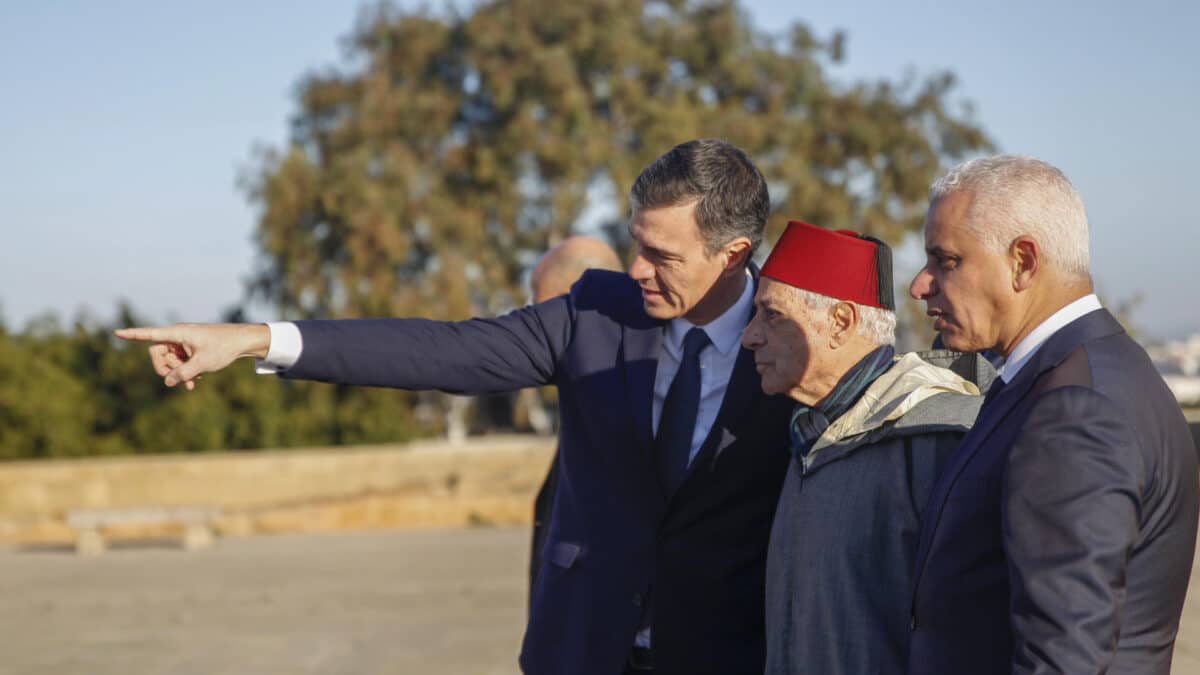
x,y
284,352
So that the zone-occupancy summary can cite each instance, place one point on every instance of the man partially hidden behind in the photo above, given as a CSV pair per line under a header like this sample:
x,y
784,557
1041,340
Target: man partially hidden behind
x,y
869,432
670,456
1059,537
558,270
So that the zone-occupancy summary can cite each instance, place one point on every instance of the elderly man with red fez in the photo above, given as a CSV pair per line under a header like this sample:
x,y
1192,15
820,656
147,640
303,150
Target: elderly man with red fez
x,y
869,433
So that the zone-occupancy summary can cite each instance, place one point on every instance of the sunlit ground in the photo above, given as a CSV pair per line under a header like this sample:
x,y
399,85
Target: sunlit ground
x,y
446,602
437,602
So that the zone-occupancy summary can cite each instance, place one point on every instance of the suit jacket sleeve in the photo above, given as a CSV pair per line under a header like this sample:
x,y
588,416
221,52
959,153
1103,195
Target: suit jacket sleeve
x,y
476,356
1072,499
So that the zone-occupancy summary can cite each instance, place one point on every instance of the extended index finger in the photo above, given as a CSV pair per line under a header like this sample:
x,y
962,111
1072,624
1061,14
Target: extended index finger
x,y
149,334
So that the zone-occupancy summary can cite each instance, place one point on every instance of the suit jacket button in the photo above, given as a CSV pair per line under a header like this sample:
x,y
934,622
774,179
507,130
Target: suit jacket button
x,y
637,599
912,623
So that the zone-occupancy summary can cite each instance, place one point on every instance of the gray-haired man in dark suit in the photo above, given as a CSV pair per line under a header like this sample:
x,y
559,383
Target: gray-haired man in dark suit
x,y
1059,537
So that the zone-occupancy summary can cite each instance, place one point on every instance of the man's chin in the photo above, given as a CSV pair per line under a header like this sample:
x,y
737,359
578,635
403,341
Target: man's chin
x,y
959,343
770,386
658,309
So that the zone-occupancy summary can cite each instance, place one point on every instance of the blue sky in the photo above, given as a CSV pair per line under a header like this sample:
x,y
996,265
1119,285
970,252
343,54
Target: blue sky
x,y
124,126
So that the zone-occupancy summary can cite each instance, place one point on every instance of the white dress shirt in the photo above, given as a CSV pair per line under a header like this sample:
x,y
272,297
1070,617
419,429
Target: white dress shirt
x,y
716,362
285,348
1029,345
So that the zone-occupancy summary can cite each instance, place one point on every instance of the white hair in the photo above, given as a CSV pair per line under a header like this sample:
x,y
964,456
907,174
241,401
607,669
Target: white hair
x,y
874,324
1014,195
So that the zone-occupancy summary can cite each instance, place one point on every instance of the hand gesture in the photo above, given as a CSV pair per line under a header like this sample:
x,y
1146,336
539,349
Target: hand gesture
x,y
182,352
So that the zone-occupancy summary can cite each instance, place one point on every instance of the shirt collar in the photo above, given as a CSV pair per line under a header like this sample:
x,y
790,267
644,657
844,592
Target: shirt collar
x,y
725,331
1029,345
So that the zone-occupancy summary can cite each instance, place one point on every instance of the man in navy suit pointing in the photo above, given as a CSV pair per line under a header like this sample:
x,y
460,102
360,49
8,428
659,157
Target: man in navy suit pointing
x,y
1059,536
671,457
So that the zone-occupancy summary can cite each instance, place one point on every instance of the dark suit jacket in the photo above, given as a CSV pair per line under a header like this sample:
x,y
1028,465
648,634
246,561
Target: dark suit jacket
x,y
543,504
614,536
1059,537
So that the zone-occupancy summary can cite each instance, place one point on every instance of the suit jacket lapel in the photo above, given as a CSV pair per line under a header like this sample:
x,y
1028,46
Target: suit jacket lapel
x,y
987,422
744,388
1091,326
640,349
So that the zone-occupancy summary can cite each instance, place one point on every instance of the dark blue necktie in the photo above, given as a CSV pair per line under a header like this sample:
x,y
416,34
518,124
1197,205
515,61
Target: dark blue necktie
x,y
677,422
994,390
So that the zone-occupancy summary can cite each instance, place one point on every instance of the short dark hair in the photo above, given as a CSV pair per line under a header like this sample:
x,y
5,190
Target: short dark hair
x,y
731,192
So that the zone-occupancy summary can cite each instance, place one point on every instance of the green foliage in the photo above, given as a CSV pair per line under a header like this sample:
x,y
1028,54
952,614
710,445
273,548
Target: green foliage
x,y
81,392
450,151
44,410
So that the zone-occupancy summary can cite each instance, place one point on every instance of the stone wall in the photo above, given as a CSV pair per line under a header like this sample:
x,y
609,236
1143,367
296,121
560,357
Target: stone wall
x,y
487,480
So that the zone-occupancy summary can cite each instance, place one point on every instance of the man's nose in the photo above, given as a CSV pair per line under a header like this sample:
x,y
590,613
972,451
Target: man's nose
x,y
751,336
922,285
640,268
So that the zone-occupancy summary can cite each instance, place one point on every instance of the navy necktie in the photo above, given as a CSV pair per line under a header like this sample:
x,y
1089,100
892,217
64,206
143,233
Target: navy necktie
x,y
677,422
994,390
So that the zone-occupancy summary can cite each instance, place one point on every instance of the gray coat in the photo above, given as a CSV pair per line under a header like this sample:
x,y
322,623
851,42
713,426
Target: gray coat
x,y
839,566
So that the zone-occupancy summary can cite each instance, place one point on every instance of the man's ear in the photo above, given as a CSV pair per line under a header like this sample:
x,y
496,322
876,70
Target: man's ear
x,y
843,323
736,253
1024,256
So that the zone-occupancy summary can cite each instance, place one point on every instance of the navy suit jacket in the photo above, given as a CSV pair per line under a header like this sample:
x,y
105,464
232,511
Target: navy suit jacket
x,y
1059,537
614,537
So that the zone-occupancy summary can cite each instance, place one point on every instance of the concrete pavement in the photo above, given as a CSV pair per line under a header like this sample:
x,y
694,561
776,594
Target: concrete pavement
x,y
436,602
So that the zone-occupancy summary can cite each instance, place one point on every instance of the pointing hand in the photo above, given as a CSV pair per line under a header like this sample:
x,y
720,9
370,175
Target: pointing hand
x,y
182,352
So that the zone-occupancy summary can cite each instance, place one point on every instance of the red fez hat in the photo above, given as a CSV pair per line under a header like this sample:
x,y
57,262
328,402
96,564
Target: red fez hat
x,y
838,263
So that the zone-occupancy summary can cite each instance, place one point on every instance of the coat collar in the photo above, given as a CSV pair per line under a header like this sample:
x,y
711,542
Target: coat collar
x,y
905,385
1028,346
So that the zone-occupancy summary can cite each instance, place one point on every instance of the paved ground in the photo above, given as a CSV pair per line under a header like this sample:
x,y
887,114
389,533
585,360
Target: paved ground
x,y
438,602
446,602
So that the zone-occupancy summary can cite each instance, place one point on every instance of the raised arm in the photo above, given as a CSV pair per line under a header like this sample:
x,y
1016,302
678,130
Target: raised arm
x,y
476,356
504,353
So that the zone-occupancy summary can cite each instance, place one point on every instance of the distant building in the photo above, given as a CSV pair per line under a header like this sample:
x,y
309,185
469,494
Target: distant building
x,y
1179,363
1186,389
